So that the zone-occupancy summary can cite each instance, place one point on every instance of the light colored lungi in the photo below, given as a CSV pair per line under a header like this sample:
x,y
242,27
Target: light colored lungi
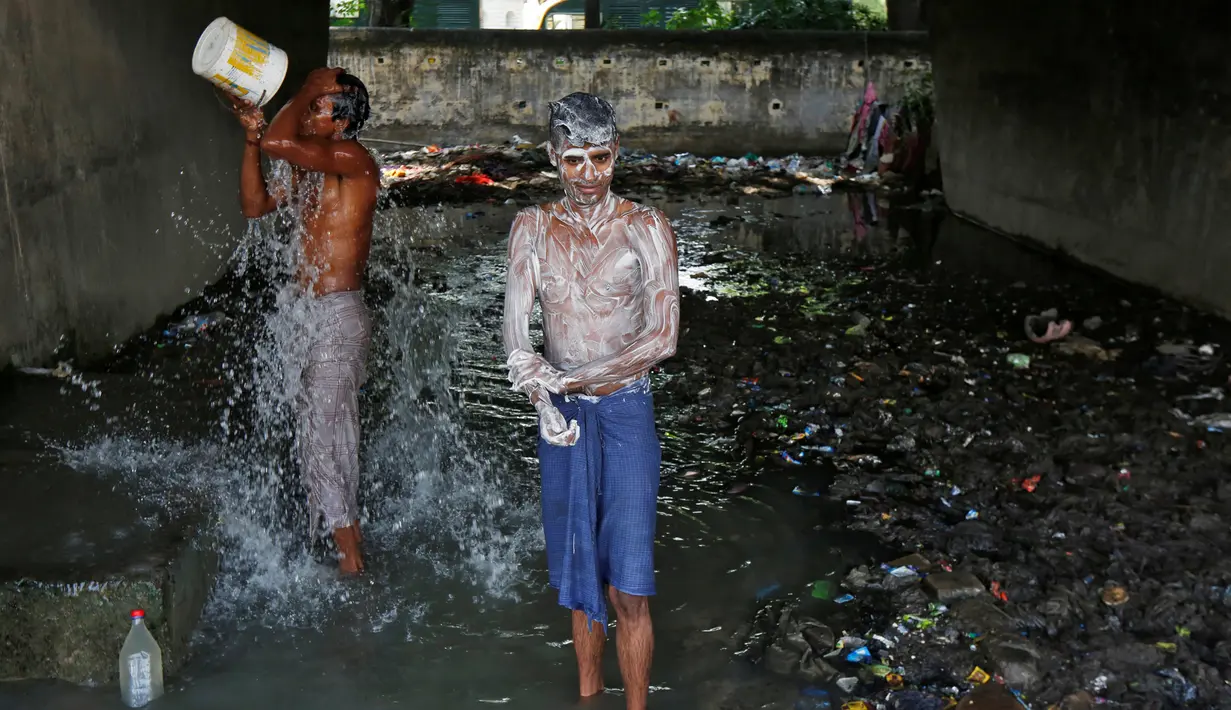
x,y
337,330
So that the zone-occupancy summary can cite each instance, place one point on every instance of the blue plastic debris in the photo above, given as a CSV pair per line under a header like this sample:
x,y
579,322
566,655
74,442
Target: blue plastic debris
x,y
766,591
1180,686
813,698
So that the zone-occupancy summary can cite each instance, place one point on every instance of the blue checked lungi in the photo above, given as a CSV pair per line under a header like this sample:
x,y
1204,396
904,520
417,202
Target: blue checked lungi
x,y
600,498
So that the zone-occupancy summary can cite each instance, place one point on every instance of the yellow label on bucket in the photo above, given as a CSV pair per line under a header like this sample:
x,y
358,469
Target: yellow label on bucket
x,y
236,88
250,52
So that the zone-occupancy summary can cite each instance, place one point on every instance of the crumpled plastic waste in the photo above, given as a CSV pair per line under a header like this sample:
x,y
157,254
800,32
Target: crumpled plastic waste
x,y
61,371
475,179
196,324
1045,327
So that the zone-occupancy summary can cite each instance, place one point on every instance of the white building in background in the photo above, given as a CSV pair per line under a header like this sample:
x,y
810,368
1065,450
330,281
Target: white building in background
x,y
493,14
514,14
501,14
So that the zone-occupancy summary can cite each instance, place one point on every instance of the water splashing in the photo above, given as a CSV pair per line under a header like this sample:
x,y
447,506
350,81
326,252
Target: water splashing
x,y
429,501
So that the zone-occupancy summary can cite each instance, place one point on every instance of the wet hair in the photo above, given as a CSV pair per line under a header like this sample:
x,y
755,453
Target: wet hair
x,y
351,104
581,118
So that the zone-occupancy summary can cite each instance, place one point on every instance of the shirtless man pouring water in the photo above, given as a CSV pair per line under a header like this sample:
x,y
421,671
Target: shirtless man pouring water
x,y
334,188
604,270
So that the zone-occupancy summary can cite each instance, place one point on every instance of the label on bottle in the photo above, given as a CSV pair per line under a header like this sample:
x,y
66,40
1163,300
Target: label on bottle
x,y
139,677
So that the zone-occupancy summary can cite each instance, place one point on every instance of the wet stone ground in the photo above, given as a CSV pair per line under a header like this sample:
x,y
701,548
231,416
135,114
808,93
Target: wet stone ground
x,y
877,489
1058,511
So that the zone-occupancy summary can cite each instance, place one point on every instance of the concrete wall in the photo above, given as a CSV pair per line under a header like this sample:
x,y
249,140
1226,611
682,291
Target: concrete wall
x,y
118,166
706,92
1100,129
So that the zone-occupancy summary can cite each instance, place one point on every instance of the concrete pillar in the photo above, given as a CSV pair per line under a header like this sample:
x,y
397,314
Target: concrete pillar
x,y
1094,128
118,167
905,15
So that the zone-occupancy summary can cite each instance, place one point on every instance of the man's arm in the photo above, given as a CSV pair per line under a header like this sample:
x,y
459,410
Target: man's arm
x,y
655,244
519,291
314,154
254,198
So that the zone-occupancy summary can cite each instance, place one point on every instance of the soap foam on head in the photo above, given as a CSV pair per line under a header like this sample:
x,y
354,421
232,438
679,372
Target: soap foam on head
x,y
580,119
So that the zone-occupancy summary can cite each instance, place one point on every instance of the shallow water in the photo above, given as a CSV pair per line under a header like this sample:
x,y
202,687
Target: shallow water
x,y
455,610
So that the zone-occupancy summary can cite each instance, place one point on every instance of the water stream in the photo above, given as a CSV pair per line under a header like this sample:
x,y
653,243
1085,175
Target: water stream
x,y
454,611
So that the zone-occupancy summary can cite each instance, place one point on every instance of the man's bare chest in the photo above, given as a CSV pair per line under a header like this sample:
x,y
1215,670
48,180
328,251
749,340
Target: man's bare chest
x,y
598,268
315,195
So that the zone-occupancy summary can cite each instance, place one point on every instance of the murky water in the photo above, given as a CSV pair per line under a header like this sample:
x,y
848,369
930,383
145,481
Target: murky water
x,y
455,610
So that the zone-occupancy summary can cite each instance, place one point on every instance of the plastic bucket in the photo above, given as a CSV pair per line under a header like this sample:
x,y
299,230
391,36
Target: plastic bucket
x,y
239,62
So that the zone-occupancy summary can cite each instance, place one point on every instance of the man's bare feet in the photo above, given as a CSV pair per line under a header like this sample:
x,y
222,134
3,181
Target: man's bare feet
x,y
635,645
350,561
588,641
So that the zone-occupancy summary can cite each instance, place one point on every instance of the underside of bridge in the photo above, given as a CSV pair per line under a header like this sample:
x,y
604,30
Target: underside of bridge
x,y
1099,129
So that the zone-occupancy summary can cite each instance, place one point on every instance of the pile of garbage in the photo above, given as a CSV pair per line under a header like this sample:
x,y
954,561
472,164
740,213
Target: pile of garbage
x,y
888,146
1050,465
521,172
891,142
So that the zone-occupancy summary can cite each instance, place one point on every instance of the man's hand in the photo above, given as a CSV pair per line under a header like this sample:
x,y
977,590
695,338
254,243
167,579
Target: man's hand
x,y
527,368
322,81
251,117
554,429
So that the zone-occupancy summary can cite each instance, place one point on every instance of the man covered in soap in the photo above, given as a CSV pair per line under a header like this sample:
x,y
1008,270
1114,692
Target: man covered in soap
x,y
605,272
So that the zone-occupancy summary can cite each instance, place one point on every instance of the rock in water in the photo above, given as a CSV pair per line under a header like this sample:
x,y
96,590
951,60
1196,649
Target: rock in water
x,y
950,587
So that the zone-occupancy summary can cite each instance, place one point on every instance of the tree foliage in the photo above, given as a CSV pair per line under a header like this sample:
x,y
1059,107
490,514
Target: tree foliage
x,y
372,13
653,18
345,13
779,15
708,15
809,15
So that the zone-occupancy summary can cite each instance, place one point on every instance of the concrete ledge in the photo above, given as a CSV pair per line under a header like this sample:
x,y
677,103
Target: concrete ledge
x,y
80,549
73,631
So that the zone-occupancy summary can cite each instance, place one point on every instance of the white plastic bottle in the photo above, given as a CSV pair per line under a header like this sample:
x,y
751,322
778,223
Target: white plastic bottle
x,y
140,665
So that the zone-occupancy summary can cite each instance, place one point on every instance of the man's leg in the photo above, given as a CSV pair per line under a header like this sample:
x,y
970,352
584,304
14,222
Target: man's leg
x,y
350,560
330,455
634,645
346,453
588,641
349,334
632,458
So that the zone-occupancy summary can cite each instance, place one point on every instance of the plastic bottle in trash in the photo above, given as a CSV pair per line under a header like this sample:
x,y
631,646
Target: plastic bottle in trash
x,y
140,665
